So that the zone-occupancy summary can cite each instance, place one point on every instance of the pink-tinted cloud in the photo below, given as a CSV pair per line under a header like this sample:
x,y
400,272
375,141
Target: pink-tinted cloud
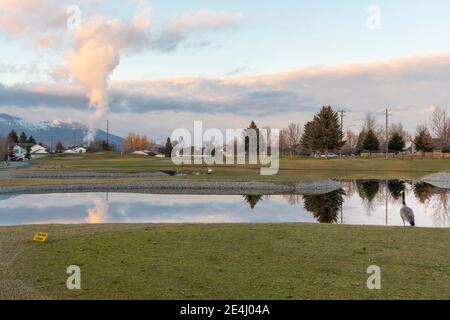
x,y
408,86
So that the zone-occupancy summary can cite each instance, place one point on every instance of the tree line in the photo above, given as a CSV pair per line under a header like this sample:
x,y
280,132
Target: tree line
x,y
7,144
324,133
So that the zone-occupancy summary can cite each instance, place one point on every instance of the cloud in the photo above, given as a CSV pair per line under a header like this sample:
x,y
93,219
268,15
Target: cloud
x,y
237,71
408,86
34,18
29,96
191,23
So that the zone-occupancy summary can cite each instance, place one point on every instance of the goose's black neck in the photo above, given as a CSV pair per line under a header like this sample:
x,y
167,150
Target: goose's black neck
x,y
403,197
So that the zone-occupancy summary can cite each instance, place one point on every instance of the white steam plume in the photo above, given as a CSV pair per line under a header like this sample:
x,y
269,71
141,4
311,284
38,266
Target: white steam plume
x,y
97,49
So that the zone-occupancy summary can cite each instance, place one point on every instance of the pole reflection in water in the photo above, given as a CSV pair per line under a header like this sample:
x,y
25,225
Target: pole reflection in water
x,y
368,202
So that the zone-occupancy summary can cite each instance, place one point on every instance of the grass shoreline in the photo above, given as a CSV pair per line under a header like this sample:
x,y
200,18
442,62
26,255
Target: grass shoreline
x,y
131,167
225,261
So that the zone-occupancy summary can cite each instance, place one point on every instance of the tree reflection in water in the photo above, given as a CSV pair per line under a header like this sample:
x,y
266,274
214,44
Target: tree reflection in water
x,y
328,208
253,200
325,207
396,187
423,191
436,201
368,189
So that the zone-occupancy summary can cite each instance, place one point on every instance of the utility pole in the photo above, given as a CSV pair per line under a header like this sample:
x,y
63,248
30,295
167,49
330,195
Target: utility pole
x,y
387,201
387,133
51,145
74,139
342,112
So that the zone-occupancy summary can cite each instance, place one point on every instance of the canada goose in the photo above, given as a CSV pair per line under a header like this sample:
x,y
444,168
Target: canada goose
x,y
407,213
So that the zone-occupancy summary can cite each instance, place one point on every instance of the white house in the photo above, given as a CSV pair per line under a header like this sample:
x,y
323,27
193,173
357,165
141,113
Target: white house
x,y
35,151
38,151
76,150
142,152
20,151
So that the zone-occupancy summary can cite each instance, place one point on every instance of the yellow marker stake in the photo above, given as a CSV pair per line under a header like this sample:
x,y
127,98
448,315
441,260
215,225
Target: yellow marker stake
x,y
40,237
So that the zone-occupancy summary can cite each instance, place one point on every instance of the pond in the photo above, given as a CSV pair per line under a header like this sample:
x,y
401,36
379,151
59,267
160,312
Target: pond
x,y
361,202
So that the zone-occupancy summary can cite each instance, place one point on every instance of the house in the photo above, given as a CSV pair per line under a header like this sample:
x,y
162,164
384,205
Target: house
x,y
34,151
75,150
38,151
142,152
19,151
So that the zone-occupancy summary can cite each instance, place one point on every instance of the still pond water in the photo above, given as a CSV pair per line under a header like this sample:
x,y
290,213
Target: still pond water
x,y
366,202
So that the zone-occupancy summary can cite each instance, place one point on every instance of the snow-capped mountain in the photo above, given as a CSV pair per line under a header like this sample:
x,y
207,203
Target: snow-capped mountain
x,y
69,133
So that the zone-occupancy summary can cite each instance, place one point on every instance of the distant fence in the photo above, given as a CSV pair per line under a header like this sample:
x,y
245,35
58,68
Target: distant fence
x,y
409,156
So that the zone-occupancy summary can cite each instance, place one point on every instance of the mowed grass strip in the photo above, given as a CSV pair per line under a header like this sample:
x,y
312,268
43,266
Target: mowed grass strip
x,y
242,261
292,169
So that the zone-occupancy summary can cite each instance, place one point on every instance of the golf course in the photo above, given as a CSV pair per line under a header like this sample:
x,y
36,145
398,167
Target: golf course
x,y
221,260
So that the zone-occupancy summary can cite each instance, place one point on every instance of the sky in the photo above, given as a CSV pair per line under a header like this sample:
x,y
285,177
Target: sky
x,y
154,66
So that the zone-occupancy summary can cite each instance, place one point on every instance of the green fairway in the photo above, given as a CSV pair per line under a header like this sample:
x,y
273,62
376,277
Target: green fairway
x,y
291,169
287,261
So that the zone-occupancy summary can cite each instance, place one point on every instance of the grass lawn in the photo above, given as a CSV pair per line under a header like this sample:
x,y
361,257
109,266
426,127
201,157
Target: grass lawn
x,y
292,169
287,261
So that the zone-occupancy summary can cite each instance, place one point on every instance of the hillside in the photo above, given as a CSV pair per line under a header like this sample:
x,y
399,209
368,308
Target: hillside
x,y
69,133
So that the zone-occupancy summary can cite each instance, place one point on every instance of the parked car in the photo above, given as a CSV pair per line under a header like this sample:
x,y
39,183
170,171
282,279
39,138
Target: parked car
x,y
330,155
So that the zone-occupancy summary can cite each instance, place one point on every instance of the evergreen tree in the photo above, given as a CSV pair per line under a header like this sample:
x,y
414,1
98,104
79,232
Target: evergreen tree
x,y
423,141
168,148
247,138
371,142
397,143
324,132
360,142
31,140
23,138
307,137
59,148
12,138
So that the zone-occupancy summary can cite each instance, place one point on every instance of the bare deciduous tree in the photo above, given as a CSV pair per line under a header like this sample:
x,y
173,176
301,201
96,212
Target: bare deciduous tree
x,y
351,141
3,148
294,136
284,145
440,125
370,123
290,139
398,128
134,142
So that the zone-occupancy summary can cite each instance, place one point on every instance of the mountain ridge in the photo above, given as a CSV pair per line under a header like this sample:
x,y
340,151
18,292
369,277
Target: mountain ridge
x,y
68,133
